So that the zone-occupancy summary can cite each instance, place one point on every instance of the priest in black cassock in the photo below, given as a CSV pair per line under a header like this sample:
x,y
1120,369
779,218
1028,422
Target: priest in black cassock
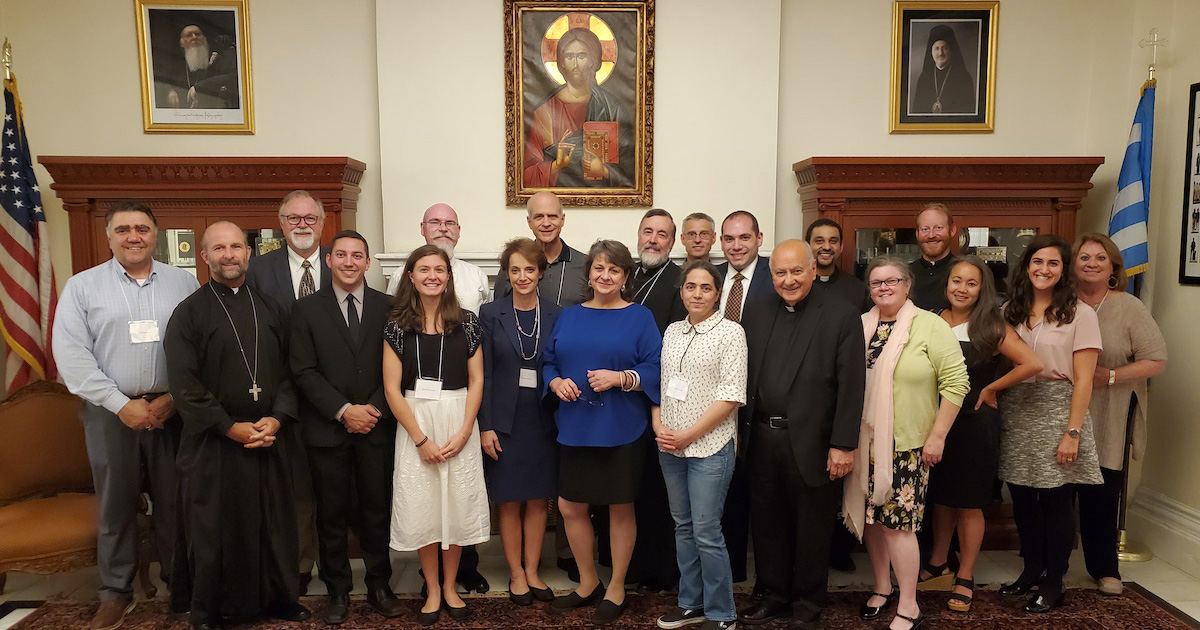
x,y
227,353
653,565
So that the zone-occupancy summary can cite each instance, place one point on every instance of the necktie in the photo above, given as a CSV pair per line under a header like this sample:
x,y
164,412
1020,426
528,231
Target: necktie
x,y
733,306
307,286
352,317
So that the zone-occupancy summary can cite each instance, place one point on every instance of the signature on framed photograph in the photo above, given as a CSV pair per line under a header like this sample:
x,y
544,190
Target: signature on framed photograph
x,y
943,66
195,66
578,91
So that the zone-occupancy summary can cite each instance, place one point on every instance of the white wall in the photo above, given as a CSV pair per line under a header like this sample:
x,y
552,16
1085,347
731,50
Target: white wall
x,y
715,98
314,91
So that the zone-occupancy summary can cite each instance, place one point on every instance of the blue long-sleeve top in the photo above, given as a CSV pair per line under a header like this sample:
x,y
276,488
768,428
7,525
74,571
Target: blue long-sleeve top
x,y
604,339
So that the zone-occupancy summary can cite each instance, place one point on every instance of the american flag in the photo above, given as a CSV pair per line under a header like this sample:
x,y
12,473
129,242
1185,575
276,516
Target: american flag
x,y
28,297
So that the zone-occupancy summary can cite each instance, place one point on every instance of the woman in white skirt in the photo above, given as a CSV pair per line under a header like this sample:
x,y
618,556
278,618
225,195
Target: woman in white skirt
x,y
433,379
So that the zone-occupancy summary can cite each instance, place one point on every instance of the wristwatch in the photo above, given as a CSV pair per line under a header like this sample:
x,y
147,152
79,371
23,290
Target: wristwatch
x,y
1073,433
1112,377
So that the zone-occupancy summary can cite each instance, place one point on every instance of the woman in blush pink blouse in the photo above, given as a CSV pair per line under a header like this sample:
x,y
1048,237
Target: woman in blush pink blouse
x,y
703,384
1046,443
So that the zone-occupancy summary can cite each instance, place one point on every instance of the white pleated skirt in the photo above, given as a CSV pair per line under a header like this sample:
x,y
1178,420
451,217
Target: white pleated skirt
x,y
443,503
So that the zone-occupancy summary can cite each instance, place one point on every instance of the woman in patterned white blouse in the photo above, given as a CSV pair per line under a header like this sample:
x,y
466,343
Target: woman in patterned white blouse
x,y
704,377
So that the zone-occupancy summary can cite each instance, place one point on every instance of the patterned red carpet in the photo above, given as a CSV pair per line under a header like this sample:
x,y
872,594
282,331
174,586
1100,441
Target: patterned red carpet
x,y
1084,610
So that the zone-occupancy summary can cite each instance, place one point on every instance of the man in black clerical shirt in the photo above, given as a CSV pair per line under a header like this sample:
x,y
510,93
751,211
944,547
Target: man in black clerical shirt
x,y
930,271
227,353
337,359
805,396
824,236
654,280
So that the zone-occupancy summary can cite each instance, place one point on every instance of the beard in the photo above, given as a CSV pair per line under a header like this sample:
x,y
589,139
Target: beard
x,y
445,246
651,259
221,272
197,57
304,241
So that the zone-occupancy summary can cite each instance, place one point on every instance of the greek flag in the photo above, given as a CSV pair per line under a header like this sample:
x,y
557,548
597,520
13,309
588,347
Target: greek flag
x,y
1131,209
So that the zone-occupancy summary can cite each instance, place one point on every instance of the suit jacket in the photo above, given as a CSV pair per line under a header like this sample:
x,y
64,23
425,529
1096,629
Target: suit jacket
x,y
502,363
760,288
270,274
330,371
828,359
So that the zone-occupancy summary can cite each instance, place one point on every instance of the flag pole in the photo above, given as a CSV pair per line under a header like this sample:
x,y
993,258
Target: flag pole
x,y
7,57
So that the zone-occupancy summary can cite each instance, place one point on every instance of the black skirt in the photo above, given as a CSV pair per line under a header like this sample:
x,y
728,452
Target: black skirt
x,y
601,475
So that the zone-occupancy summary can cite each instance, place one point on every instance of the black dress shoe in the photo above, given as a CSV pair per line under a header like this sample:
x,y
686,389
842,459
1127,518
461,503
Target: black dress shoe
x,y
1044,602
916,622
385,602
337,609
1021,586
303,580
428,618
288,611
542,594
869,612
575,600
473,582
569,565
458,614
520,599
762,613
608,612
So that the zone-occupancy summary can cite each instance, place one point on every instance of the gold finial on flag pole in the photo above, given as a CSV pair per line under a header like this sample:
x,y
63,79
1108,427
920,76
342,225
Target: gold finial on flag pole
x,y
1153,42
7,60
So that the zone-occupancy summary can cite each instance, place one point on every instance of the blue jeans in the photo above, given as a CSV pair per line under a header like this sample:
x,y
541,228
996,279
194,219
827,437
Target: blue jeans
x,y
696,488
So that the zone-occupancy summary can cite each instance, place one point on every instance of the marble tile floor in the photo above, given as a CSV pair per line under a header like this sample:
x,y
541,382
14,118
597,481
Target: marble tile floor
x,y
994,567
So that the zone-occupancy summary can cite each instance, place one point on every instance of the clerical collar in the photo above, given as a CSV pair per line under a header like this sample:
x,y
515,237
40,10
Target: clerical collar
x,y
831,278
223,288
941,262
799,307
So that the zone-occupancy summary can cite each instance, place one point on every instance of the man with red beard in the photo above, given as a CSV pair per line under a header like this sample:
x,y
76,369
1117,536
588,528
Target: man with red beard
x,y
207,79
935,232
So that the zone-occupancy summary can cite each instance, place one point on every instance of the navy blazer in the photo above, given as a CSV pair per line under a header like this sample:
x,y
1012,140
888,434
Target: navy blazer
x,y
760,284
502,363
330,371
269,273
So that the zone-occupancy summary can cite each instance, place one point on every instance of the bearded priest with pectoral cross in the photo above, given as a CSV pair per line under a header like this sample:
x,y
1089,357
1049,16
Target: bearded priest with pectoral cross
x,y
226,348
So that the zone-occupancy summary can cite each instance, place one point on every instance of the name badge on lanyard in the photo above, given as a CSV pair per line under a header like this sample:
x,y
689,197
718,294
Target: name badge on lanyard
x,y
428,389
143,331
528,378
677,388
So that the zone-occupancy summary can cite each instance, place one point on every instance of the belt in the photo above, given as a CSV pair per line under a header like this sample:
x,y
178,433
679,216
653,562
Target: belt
x,y
148,397
773,422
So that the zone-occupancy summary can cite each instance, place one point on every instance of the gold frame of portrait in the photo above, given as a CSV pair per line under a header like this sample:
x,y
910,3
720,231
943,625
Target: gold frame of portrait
x,y
244,67
640,193
898,50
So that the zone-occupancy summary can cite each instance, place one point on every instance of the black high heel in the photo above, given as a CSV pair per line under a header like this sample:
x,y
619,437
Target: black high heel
x,y
868,612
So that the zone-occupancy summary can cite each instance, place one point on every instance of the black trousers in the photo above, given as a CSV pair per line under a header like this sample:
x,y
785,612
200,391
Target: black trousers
x,y
366,469
792,524
1098,507
1046,524
653,563
735,520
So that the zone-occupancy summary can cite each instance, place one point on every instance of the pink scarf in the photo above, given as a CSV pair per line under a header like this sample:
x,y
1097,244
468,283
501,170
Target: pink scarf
x,y
875,436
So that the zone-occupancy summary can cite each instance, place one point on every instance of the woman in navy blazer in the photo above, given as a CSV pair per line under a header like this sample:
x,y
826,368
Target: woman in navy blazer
x,y
516,431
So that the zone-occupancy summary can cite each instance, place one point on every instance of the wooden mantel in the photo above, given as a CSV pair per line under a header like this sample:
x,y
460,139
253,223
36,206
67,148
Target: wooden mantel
x,y
192,192
879,192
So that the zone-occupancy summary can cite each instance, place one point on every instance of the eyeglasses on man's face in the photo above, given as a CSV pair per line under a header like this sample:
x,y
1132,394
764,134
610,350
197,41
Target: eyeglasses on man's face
x,y
889,282
438,223
692,236
296,219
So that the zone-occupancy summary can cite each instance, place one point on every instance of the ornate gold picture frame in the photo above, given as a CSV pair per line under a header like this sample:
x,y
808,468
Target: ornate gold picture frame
x,y
195,66
579,101
944,66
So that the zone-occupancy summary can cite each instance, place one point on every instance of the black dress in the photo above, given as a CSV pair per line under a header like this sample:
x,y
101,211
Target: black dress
x,y
528,464
967,472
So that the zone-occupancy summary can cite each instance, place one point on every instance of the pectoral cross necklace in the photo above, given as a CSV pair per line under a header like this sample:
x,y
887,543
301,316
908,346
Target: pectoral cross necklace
x,y
254,390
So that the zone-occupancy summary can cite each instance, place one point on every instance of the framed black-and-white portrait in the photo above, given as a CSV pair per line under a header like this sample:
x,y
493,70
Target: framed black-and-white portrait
x,y
195,66
943,66
1189,246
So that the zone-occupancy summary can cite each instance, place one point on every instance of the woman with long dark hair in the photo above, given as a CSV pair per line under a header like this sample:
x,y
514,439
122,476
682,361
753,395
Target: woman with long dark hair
x,y
1046,443
433,380
945,85
961,484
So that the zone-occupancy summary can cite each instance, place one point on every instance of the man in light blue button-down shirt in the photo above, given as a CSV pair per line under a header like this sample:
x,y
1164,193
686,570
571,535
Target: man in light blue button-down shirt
x,y
107,342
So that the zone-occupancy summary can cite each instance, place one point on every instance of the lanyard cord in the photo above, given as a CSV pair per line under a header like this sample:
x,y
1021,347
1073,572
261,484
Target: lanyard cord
x,y
648,287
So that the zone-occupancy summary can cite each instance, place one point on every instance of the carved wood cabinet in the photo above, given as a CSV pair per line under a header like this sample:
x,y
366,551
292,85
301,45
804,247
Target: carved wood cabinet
x,y
876,199
189,193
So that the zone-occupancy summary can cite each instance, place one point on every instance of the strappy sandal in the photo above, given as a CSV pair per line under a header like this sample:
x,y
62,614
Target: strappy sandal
x,y
916,622
939,579
959,602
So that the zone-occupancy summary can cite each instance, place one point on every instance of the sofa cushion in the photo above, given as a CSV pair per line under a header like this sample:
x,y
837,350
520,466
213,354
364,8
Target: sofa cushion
x,y
45,528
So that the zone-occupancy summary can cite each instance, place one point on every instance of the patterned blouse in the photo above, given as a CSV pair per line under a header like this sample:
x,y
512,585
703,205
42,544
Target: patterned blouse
x,y
878,341
711,357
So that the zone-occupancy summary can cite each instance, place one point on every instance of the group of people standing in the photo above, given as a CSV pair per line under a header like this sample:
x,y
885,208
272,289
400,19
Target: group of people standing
x,y
675,411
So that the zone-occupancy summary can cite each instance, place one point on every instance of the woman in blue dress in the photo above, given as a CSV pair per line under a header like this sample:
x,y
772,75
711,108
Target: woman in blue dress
x,y
602,363
515,430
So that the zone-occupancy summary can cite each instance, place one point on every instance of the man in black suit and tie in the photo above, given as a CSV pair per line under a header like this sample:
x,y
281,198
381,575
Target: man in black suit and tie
x,y
807,376
747,283
337,360
297,270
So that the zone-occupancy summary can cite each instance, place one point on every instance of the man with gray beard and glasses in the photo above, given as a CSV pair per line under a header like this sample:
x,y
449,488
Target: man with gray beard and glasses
x,y
207,78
